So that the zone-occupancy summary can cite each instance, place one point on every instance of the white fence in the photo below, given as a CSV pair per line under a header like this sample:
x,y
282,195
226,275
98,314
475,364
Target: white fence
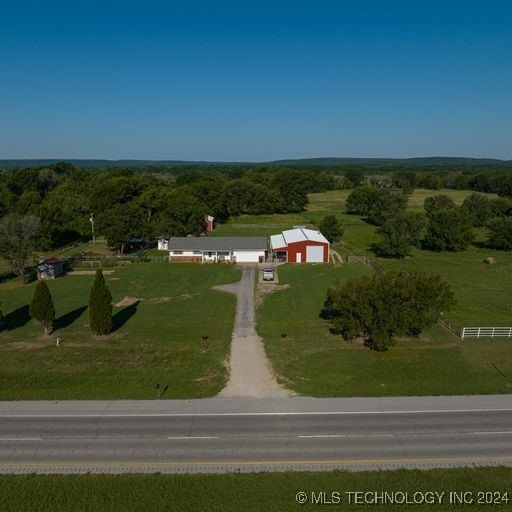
x,y
487,332
362,260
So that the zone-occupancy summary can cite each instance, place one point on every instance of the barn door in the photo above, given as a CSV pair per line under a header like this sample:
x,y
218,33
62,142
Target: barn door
x,y
315,254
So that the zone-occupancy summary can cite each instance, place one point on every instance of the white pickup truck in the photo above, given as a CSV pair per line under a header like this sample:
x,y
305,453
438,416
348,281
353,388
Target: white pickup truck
x,y
268,274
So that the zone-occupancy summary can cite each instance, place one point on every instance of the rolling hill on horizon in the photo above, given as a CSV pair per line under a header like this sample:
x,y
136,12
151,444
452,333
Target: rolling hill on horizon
x,y
322,161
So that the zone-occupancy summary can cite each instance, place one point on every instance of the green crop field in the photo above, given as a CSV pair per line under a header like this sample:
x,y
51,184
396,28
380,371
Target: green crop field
x,y
161,315
266,492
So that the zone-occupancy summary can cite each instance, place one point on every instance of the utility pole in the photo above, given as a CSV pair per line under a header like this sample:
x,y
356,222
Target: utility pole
x,y
91,219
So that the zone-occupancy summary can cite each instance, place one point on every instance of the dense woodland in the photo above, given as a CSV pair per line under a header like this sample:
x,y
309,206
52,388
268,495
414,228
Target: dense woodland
x,y
56,200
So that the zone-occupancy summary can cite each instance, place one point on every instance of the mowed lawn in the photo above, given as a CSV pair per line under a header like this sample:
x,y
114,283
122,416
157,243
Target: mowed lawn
x,y
163,311
265,492
314,362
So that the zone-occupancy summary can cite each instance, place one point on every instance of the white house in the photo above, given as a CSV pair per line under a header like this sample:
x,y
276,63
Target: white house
x,y
202,249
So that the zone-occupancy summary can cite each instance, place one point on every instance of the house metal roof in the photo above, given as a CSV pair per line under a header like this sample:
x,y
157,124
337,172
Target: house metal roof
x,y
217,243
291,236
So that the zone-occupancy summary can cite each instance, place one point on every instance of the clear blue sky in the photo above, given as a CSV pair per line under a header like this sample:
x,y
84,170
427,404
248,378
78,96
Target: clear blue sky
x,y
255,80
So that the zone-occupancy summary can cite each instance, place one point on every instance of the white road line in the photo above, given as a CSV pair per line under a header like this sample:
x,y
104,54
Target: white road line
x,y
344,435
220,414
20,439
192,437
492,433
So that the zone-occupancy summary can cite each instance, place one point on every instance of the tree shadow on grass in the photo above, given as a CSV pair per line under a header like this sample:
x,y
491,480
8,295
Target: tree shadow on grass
x,y
5,276
69,318
121,317
17,318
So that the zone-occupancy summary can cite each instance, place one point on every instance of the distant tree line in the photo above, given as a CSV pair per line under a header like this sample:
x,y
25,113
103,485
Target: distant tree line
x,y
56,202
443,227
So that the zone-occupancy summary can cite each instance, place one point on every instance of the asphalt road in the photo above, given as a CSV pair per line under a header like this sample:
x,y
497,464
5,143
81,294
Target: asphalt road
x,y
225,434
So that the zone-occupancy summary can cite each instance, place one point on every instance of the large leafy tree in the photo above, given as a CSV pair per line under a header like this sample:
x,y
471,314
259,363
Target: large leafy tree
x,y
399,234
449,230
121,223
212,192
184,216
293,188
360,200
7,198
504,185
376,204
500,233
478,207
386,204
355,175
386,305
100,306
501,207
437,203
331,228
42,308
18,238
406,180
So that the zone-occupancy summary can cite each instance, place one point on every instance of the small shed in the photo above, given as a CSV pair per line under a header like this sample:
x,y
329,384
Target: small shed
x,y
300,245
50,268
136,244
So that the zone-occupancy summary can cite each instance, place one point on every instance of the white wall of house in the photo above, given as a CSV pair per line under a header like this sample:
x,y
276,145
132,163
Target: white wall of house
x,y
248,256
163,245
184,253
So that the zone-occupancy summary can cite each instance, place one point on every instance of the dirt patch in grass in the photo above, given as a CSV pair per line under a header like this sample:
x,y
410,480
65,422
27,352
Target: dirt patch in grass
x,y
127,301
88,272
263,290
183,296
27,345
159,300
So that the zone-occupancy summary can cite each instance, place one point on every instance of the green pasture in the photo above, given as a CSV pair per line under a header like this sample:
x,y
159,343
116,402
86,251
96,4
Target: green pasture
x,y
314,362
260,225
162,314
483,292
265,492
358,236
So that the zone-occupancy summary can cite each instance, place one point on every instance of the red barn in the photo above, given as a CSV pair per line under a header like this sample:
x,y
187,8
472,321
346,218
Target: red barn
x,y
300,245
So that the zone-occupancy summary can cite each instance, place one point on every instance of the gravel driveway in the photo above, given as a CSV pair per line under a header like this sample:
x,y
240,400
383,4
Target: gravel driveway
x,y
250,373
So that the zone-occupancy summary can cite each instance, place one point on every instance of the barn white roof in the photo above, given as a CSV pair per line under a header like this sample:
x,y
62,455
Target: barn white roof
x,y
291,236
